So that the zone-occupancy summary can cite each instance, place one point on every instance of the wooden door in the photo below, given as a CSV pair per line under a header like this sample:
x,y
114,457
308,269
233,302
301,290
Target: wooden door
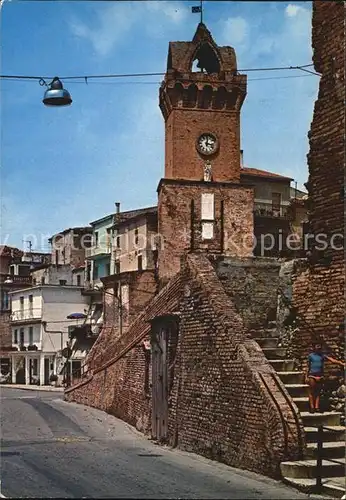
x,y
159,427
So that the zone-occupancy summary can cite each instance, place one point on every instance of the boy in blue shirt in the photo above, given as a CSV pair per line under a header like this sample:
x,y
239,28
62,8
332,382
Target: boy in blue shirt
x,y
314,377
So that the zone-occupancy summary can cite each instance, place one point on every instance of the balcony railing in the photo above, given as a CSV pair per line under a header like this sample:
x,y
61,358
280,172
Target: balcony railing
x,y
103,248
268,210
26,314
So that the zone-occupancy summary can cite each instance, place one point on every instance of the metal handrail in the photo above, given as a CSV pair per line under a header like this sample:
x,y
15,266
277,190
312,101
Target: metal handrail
x,y
319,458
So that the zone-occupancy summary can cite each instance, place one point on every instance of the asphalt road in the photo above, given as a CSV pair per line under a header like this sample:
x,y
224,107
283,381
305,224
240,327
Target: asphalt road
x,y
51,448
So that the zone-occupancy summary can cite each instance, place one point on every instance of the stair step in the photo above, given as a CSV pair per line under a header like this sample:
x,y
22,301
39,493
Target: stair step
x,y
307,468
332,450
264,332
328,418
302,404
334,486
282,364
333,433
291,377
274,353
297,390
272,324
267,341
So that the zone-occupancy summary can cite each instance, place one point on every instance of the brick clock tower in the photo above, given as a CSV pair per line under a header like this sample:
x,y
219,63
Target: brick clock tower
x,y
202,206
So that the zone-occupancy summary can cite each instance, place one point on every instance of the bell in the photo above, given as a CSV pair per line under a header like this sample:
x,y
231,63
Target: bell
x,y
56,95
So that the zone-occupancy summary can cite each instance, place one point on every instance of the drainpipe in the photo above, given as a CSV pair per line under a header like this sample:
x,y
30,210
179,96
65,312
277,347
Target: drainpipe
x,y
44,324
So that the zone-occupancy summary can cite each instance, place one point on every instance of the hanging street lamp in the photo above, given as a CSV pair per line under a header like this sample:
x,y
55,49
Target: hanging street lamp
x,y
55,95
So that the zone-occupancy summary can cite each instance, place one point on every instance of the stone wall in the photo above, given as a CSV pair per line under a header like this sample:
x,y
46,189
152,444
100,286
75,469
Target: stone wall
x,y
225,400
252,284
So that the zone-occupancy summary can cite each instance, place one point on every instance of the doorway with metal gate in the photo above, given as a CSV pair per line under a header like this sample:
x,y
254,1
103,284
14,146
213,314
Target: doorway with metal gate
x,y
159,425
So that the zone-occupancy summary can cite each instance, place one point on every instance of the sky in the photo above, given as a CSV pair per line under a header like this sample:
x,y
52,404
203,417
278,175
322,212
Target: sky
x,y
65,167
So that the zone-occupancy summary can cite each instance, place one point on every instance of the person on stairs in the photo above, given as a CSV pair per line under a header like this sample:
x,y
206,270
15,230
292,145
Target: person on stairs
x,y
314,377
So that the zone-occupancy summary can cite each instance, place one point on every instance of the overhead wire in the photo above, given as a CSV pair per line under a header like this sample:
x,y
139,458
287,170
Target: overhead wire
x,y
159,82
139,75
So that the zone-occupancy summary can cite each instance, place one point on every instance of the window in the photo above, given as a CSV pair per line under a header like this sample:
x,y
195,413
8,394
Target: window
x,y
34,367
78,279
15,337
34,281
96,236
31,300
43,280
88,272
109,235
118,241
117,268
136,237
140,262
21,336
31,335
62,282
276,203
56,257
108,269
5,300
21,302
95,272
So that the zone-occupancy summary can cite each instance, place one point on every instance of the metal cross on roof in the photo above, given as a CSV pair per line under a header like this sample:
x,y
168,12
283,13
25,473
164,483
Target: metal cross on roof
x,y
198,9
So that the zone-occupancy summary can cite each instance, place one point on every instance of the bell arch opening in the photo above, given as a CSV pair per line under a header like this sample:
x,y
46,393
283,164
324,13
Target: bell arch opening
x,y
205,60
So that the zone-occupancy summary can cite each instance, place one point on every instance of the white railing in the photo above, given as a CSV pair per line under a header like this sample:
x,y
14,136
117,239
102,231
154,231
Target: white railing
x,y
268,210
26,314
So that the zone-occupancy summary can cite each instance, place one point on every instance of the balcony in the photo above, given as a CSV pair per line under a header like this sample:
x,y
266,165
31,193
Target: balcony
x,y
102,249
262,209
26,315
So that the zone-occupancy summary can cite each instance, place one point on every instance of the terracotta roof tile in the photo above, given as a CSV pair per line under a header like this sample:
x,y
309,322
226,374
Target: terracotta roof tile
x,y
256,172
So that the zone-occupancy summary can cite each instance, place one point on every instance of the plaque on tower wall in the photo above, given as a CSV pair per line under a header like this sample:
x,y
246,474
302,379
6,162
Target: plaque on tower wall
x,y
207,230
207,212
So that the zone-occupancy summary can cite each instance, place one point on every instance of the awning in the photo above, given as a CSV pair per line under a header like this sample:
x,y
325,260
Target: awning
x,y
76,316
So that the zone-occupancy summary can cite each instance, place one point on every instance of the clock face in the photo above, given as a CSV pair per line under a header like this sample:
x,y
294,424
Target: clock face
x,y
207,144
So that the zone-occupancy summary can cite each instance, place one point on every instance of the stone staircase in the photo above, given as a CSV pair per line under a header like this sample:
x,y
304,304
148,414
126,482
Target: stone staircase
x,y
302,473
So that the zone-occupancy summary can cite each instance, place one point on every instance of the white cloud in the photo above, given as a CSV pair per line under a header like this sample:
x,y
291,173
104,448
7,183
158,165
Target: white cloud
x,y
235,31
110,26
292,10
113,22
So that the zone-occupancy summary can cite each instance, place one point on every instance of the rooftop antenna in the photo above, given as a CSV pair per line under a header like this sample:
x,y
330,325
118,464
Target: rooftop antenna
x,y
198,9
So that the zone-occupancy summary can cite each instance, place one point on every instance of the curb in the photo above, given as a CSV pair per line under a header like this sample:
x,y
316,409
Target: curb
x,y
45,388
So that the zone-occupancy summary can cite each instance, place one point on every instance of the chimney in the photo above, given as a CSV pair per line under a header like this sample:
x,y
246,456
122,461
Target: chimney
x,y
241,158
117,207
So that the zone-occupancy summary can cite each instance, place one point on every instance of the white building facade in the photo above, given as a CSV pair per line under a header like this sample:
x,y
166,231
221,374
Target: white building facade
x,y
39,327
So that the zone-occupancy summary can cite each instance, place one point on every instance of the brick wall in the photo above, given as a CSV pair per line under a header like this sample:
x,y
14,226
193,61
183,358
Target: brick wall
x,y
318,289
252,284
225,401
183,128
116,381
228,403
232,233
